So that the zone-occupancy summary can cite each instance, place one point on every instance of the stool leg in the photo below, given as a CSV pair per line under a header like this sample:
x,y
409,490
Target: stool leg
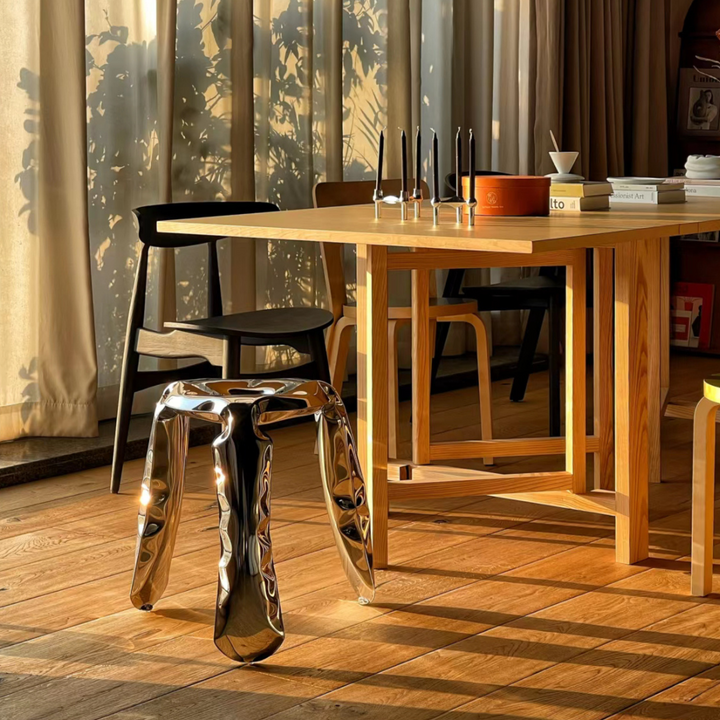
x,y
703,504
484,381
248,620
159,516
338,351
346,496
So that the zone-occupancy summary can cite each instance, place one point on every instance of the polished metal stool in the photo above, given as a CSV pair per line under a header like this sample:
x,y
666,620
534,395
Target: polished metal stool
x,y
248,620
703,503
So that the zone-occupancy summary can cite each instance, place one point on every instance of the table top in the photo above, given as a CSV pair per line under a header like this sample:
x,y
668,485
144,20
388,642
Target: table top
x,y
558,231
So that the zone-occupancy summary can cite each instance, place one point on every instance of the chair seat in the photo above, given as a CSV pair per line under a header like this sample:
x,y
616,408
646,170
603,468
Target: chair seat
x,y
439,307
270,323
533,284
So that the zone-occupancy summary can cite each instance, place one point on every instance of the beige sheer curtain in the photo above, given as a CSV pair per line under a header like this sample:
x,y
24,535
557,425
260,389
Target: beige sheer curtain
x,y
47,355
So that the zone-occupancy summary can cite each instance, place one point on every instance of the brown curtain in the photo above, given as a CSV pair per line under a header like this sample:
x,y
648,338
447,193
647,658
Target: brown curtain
x,y
602,85
166,40
399,82
47,354
239,253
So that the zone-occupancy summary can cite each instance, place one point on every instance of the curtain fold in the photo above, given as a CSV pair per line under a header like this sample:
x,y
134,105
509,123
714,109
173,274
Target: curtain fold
x,y
166,296
47,354
602,85
239,253
399,83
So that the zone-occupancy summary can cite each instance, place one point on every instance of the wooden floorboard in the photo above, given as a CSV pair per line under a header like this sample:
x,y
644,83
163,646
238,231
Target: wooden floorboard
x,y
489,609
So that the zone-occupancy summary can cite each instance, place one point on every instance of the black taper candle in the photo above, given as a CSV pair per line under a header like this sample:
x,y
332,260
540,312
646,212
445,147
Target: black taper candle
x,y
381,147
403,160
418,161
458,165
471,160
436,172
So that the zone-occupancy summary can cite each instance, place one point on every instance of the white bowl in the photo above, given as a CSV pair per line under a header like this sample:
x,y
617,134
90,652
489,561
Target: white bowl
x,y
564,161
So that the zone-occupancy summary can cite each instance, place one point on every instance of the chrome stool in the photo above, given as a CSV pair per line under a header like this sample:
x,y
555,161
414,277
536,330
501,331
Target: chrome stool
x,y
248,620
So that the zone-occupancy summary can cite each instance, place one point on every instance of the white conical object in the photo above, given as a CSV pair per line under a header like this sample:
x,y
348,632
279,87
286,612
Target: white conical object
x,y
564,161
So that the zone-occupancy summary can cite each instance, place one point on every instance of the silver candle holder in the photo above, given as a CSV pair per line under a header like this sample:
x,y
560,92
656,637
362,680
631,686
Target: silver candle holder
x,y
454,202
403,200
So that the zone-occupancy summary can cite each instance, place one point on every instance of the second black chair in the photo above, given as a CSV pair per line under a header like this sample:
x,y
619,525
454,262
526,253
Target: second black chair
x,y
216,340
538,294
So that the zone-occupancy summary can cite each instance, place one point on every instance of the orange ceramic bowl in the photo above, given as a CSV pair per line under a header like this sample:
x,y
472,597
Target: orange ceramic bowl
x,y
510,194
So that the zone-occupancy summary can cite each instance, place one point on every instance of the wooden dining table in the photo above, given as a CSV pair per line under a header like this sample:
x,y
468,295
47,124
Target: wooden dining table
x,y
631,306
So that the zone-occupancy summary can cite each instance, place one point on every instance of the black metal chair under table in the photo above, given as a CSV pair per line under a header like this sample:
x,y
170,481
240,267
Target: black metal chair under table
x,y
216,340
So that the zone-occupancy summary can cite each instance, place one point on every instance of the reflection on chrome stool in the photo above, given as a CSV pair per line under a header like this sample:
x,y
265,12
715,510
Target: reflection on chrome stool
x,y
248,621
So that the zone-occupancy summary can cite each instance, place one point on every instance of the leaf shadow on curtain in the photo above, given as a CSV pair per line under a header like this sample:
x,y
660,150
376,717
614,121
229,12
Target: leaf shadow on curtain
x,y
123,162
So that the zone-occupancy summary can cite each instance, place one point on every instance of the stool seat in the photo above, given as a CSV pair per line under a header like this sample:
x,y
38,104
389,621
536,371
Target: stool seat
x,y
711,389
272,323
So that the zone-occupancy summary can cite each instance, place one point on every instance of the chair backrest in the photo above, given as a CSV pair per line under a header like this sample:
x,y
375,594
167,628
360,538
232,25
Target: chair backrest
x,y
147,218
334,194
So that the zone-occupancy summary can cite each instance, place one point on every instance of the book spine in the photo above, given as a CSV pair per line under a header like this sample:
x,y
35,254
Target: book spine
x,y
625,187
635,196
560,192
568,204
703,190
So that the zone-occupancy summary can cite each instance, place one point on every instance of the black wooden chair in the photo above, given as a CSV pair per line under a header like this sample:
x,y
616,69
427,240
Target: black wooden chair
x,y
540,294
216,340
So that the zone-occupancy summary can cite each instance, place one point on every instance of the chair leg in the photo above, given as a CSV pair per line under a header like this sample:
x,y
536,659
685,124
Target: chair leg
x,y
393,394
338,353
231,358
484,381
527,354
453,284
439,345
555,313
318,352
122,422
703,504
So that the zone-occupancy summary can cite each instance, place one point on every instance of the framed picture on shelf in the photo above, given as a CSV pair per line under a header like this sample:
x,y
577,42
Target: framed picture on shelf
x,y
699,103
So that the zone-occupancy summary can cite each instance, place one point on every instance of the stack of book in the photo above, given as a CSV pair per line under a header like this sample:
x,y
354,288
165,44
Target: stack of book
x,y
653,191
697,188
580,196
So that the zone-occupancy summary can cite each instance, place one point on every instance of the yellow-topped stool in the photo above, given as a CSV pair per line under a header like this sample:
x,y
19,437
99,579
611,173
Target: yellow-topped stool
x,y
703,510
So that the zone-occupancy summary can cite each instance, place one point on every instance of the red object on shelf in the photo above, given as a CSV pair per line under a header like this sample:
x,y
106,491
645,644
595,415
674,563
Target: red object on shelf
x,y
510,195
691,312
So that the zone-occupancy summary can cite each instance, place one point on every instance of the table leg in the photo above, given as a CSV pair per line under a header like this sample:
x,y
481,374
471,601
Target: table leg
x,y
604,474
372,394
421,366
576,371
655,319
664,319
632,452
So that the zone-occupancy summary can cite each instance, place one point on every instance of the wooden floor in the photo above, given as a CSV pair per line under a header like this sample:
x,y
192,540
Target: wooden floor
x,y
491,608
